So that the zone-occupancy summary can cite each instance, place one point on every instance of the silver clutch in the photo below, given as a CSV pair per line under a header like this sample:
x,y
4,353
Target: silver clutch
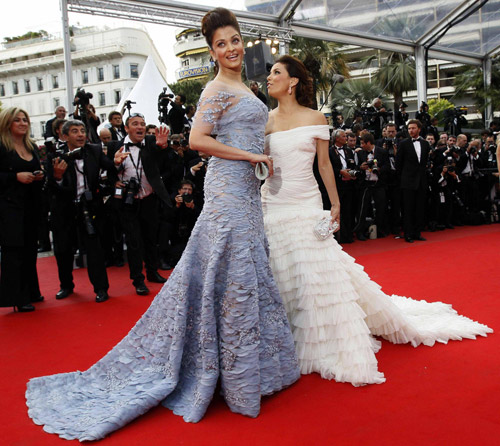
x,y
261,171
325,228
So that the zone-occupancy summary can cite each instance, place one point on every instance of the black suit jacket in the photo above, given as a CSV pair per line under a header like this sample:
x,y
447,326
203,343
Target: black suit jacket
x,y
13,200
411,172
154,161
337,167
383,163
48,128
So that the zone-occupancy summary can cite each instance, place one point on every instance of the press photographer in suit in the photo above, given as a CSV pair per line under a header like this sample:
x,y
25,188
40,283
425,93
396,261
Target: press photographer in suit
x,y
139,185
346,172
411,164
374,162
176,114
76,208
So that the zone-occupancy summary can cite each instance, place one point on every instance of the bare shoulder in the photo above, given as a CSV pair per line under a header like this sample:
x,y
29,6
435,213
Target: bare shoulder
x,y
270,122
314,117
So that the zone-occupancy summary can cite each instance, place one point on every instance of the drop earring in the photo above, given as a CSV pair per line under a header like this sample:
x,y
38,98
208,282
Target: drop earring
x,y
290,90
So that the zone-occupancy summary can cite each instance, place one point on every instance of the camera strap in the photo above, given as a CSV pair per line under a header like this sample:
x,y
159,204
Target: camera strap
x,y
82,172
137,167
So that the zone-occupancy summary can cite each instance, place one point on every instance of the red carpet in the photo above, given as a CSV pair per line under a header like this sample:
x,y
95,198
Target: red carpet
x,y
444,395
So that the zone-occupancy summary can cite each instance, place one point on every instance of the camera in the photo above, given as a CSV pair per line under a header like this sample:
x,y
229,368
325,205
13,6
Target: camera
x,y
76,154
82,98
164,99
372,164
450,164
132,188
187,198
84,201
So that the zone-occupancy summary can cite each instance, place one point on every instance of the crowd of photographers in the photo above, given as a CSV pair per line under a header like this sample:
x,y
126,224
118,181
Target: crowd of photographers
x,y
128,185
139,186
403,176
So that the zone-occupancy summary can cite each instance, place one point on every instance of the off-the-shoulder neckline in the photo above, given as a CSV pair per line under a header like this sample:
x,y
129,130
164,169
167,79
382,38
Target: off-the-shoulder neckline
x,y
300,127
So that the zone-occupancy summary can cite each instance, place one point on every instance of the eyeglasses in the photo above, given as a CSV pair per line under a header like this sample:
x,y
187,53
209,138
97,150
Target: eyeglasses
x,y
136,115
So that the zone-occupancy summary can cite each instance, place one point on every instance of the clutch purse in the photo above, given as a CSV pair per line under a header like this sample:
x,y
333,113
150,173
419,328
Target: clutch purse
x,y
325,228
261,171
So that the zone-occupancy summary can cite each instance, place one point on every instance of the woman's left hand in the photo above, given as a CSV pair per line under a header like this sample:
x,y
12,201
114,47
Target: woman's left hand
x,y
335,213
263,159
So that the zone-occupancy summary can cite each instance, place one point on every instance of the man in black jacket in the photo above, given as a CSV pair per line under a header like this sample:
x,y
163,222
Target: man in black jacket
x,y
138,187
60,114
342,159
76,208
411,163
176,114
374,162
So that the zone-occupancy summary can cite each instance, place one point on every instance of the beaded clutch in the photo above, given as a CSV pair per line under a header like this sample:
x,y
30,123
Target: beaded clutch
x,y
261,171
325,228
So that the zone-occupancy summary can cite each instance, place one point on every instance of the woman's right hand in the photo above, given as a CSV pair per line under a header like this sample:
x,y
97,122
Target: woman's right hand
x,y
25,177
263,159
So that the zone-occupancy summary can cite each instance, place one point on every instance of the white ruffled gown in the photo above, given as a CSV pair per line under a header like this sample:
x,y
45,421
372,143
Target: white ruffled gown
x,y
333,307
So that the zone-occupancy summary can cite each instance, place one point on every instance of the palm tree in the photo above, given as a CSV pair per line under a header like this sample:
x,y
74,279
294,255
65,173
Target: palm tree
x,y
472,78
354,94
322,59
396,74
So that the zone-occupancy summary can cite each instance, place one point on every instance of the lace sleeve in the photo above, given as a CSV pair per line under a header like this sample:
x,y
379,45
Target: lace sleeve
x,y
211,106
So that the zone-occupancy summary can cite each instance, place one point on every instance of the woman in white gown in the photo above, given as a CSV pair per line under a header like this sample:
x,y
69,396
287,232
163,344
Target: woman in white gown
x,y
333,307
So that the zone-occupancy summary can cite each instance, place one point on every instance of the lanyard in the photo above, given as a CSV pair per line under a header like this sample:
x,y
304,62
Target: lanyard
x,y
137,167
83,174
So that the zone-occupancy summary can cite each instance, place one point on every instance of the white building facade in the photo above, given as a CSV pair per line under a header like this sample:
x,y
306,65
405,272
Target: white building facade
x,y
106,63
192,50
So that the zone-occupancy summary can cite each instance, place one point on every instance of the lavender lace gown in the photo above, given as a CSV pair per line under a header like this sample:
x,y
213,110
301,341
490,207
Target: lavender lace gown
x,y
218,316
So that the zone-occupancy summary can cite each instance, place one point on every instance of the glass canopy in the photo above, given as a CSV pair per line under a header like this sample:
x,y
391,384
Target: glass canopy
x,y
469,29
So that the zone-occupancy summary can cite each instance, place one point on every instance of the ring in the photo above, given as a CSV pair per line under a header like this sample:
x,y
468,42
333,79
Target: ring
x,y
269,157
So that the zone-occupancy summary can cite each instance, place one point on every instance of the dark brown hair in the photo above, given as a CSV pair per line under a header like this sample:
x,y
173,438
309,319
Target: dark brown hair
x,y
415,121
215,19
304,88
367,137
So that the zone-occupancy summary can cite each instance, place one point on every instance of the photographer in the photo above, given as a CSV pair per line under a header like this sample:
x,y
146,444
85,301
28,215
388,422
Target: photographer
x,y
76,208
375,165
176,114
138,187
424,117
185,214
401,117
468,166
117,128
390,144
196,174
188,120
411,166
376,117
346,173
85,112
60,114
445,189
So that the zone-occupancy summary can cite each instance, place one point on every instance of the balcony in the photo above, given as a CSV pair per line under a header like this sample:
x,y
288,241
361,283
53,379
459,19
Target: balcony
x,y
192,72
191,44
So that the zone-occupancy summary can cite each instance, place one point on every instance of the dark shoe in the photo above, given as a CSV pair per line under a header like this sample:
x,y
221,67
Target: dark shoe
x,y
44,249
155,277
165,265
119,263
450,227
25,308
408,240
141,289
381,235
63,293
102,296
37,299
361,237
420,239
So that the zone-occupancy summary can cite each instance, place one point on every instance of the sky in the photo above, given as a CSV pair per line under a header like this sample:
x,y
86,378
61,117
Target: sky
x,y
21,16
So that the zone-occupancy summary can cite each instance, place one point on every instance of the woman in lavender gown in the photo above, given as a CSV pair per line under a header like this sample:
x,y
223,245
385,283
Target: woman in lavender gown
x,y
220,315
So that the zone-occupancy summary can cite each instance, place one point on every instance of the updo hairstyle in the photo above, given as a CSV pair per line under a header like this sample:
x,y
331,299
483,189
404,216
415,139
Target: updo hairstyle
x,y
215,19
304,88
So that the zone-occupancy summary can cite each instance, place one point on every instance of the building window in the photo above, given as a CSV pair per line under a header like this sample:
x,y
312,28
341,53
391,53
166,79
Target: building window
x,y
102,98
42,125
39,83
134,70
185,63
118,96
104,117
57,103
27,86
85,77
15,87
116,71
2,90
100,74
55,81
